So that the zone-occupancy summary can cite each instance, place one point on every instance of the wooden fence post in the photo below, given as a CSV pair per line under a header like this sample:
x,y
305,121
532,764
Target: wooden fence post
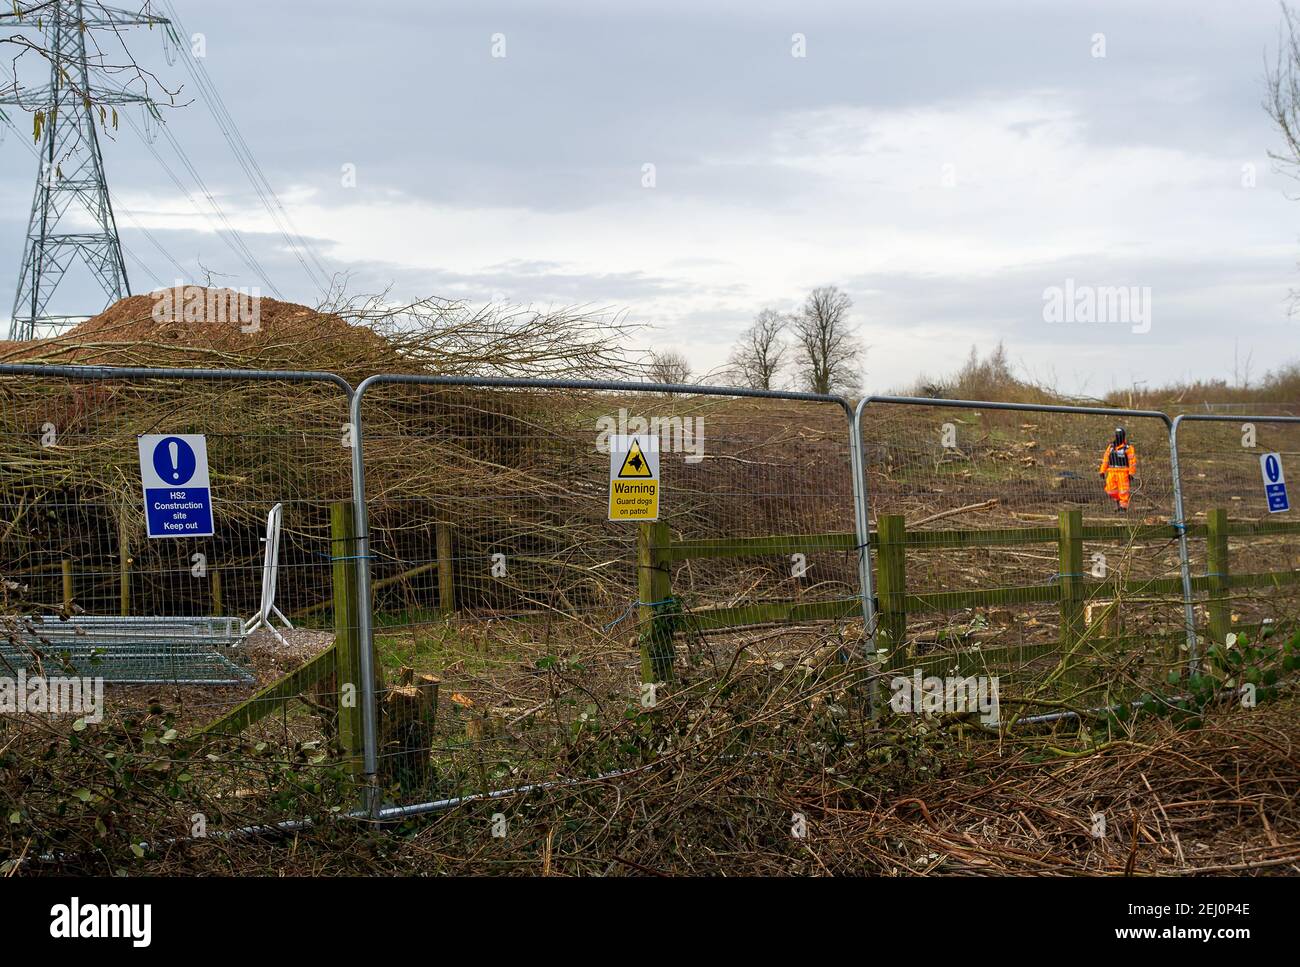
x,y
1218,604
67,585
123,562
891,585
1071,577
214,578
654,586
347,644
446,576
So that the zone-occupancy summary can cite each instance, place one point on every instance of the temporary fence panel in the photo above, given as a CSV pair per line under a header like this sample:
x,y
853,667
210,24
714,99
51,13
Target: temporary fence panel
x,y
1243,572
997,548
1238,410
513,620
93,595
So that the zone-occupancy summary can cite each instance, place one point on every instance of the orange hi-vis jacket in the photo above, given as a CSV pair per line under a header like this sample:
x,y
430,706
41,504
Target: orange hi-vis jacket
x,y
1119,463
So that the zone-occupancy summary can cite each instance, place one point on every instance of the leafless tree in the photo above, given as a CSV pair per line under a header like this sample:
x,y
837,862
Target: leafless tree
x,y
1282,92
758,356
1282,102
669,367
828,353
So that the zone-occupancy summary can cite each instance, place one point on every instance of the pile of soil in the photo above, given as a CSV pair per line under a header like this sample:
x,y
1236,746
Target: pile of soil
x,y
199,327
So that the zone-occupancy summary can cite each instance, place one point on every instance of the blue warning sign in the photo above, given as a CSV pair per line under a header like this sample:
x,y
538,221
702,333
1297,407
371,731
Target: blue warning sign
x,y
1270,465
177,491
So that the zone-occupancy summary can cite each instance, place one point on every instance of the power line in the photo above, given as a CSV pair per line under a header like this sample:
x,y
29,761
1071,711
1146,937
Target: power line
x,y
229,235
225,230
234,241
217,218
32,149
297,243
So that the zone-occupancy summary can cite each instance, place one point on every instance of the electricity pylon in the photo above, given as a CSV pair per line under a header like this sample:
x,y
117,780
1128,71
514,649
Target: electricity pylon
x,y
71,170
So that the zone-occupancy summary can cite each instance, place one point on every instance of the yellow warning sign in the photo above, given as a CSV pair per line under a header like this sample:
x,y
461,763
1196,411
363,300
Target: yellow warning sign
x,y
634,501
633,478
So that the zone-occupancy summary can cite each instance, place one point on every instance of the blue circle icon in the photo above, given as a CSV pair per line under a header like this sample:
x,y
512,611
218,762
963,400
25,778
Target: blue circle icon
x,y
1272,468
174,461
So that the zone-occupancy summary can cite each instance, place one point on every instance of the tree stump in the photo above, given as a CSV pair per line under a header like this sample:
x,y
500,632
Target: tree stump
x,y
409,711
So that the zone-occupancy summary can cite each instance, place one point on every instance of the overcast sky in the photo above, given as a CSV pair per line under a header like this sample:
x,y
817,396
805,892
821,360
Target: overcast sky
x,y
944,163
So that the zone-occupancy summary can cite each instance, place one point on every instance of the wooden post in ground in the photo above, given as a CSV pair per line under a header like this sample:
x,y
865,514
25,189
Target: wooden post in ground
x,y
1071,577
346,637
446,576
891,586
123,562
654,585
67,585
1218,605
214,578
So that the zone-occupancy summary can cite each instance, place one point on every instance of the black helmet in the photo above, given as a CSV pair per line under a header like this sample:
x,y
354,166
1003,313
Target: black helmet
x,y
1120,436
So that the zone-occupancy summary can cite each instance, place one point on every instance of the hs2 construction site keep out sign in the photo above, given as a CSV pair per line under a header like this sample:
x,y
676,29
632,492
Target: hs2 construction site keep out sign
x,y
634,477
177,492
1270,465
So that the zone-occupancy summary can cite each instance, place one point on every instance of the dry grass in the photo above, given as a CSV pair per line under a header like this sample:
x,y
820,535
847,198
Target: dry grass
x,y
729,778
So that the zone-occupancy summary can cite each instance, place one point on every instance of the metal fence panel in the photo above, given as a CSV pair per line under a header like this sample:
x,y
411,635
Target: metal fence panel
x,y
981,572
168,614
495,570
1223,502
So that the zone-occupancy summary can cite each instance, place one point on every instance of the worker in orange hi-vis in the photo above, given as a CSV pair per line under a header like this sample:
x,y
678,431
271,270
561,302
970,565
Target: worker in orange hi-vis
x,y
1118,467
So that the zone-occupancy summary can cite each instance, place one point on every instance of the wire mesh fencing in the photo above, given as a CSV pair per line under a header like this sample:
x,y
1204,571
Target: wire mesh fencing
x,y
418,587
1007,544
1243,557
517,627
1238,410
169,623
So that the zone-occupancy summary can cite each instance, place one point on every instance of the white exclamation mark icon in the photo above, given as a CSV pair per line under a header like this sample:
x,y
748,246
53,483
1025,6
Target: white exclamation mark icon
x,y
174,451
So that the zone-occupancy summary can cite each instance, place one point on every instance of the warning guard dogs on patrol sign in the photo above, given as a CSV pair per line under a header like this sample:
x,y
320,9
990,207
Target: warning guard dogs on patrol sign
x,y
634,477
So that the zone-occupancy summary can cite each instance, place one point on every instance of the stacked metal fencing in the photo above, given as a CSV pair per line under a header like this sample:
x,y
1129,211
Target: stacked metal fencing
x,y
90,596
467,619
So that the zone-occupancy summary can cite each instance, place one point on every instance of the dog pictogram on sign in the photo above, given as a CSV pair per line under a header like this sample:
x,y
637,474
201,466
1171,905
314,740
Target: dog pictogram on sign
x,y
635,465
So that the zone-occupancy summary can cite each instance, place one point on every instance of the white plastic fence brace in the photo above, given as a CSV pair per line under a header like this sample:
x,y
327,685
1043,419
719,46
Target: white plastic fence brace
x,y
270,570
